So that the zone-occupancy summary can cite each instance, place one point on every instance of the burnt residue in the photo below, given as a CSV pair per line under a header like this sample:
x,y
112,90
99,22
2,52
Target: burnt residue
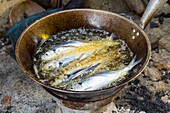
x,y
141,99
154,25
161,17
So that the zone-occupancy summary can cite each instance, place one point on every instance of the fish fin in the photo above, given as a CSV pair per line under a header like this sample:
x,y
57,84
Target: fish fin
x,y
74,74
88,70
112,36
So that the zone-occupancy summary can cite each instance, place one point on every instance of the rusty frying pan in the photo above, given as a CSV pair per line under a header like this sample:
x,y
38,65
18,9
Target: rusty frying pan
x,y
125,29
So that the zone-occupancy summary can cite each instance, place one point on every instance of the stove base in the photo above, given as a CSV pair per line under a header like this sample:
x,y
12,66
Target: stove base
x,y
109,108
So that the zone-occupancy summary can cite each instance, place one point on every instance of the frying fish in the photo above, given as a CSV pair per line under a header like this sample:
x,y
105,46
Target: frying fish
x,y
84,67
72,47
50,54
82,61
63,61
102,79
96,58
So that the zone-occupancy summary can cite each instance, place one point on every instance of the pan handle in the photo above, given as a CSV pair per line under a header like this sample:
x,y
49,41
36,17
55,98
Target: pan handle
x,y
153,7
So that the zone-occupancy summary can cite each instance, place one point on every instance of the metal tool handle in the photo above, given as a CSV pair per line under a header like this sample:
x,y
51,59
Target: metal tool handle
x,y
153,7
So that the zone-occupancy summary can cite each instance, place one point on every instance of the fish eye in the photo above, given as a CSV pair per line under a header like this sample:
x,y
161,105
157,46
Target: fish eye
x,y
60,63
80,83
50,67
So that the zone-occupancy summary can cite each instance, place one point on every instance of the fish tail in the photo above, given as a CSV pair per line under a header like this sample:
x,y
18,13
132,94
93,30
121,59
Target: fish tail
x,y
112,36
134,62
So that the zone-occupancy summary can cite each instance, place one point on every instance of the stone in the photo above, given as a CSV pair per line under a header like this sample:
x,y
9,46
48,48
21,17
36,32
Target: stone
x,y
153,73
166,99
154,86
164,42
165,55
151,63
161,60
145,81
166,26
162,65
165,9
117,6
161,86
136,5
154,36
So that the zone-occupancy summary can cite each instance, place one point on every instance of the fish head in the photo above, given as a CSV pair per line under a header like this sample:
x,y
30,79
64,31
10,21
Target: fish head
x,y
51,66
48,55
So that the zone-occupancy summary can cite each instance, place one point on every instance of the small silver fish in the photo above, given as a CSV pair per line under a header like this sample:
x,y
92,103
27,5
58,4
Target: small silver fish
x,y
81,71
102,79
64,61
50,54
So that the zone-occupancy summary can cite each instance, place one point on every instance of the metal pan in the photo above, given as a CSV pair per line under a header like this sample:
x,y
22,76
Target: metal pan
x,y
125,29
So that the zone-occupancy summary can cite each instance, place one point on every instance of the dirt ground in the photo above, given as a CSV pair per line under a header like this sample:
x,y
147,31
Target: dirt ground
x,y
149,93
